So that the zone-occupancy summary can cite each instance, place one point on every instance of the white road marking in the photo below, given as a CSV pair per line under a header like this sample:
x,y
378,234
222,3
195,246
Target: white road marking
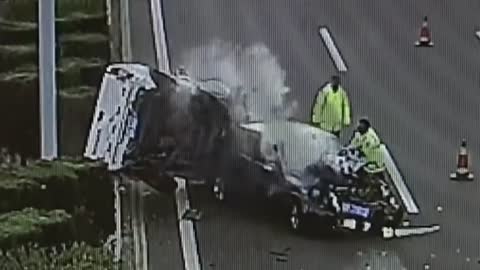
x,y
135,231
143,235
138,227
118,221
477,34
187,231
332,49
403,232
161,49
125,26
108,6
399,183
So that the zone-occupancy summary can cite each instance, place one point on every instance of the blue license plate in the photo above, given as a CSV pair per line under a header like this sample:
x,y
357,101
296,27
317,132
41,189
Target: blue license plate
x,y
352,209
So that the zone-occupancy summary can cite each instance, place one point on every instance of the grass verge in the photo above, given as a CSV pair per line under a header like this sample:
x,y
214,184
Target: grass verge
x,y
34,225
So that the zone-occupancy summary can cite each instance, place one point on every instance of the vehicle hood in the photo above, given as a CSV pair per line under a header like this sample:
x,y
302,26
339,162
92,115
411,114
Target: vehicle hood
x,y
314,174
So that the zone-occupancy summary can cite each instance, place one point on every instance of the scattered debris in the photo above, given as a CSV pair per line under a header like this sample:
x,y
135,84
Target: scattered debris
x,y
281,256
433,256
192,214
426,266
367,266
468,259
458,250
276,253
389,233
383,253
360,253
439,209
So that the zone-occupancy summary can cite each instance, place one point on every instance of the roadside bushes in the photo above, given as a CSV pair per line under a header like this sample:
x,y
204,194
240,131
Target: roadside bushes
x,y
26,10
78,256
83,50
78,188
33,225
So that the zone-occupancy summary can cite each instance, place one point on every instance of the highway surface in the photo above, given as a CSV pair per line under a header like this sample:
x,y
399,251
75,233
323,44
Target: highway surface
x,y
422,101
163,246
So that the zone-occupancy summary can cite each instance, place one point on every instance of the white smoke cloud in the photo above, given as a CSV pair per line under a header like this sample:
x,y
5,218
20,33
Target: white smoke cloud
x,y
252,71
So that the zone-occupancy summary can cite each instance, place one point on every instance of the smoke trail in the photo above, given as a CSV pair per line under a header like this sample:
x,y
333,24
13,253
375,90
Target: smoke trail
x,y
252,72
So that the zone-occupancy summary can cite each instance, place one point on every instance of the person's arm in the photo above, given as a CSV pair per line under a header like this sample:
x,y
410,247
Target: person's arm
x,y
318,107
346,116
356,140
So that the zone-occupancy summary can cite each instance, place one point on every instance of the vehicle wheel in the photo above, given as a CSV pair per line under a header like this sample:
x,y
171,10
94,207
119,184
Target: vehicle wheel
x,y
295,217
219,189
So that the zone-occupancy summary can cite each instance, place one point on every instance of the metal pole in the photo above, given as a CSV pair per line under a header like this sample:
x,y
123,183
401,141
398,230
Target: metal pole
x,y
47,80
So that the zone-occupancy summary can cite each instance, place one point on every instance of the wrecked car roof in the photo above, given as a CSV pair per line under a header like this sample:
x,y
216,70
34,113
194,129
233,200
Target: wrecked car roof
x,y
303,144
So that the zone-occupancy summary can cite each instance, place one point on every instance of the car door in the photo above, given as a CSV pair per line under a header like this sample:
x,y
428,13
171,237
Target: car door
x,y
266,170
239,161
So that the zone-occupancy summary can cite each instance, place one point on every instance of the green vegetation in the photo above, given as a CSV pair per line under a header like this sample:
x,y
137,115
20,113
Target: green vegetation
x,y
78,256
78,92
17,33
75,75
25,10
55,202
28,225
51,204
12,56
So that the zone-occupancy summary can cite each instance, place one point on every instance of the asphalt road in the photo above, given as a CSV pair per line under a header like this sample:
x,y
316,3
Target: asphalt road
x,y
421,101
160,215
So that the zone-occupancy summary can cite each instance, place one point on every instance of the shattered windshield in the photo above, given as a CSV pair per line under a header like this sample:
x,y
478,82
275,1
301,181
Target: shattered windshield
x,y
299,144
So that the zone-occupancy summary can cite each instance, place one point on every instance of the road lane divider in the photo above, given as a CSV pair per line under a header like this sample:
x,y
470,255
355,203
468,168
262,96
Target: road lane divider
x,y
143,234
186,227
126,30
138,227
187,230
399,183
118,220
332,49
161,48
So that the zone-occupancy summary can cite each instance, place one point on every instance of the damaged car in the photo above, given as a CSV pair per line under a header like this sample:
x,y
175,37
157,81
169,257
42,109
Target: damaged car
x,y
308,175
169,124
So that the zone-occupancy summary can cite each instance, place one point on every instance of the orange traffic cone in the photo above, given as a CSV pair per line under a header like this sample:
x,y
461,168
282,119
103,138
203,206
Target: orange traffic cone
x,y
463,171
425,39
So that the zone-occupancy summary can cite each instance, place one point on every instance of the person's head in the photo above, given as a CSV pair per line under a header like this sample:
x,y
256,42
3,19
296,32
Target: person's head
x,y
335,82
363,125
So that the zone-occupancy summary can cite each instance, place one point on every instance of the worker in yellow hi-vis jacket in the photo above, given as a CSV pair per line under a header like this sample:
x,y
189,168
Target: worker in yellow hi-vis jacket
x,y
331,111
366,140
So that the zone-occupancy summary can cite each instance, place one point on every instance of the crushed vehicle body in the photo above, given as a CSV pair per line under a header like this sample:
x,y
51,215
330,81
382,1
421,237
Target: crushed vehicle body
x,y
306,173
159,121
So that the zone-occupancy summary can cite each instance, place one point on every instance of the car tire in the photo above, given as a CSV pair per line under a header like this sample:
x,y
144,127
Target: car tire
x,y
219,189
295,216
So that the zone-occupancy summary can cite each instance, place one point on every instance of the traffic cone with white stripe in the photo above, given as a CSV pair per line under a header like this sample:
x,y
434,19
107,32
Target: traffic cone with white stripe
x,y
425,39
462,172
